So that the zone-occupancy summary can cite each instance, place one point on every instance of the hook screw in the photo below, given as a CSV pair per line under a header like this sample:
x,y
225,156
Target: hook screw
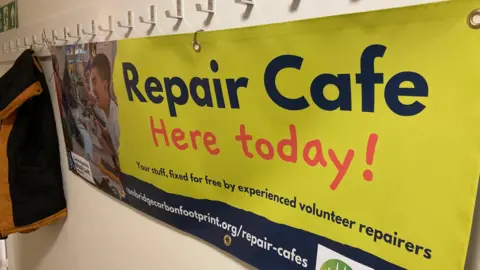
x,y
196,45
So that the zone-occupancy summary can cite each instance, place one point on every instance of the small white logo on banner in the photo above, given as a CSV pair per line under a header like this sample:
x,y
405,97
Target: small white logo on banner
x,y
328,259
82,167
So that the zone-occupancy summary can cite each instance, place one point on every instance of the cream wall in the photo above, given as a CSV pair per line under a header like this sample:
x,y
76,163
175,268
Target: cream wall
x,y
101,233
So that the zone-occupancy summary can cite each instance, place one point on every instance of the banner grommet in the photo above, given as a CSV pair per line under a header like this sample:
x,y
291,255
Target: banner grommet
x,y
227,240
470,19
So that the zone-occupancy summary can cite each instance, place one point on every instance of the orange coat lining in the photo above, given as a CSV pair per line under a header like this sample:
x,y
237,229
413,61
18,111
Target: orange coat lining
x,y
34,89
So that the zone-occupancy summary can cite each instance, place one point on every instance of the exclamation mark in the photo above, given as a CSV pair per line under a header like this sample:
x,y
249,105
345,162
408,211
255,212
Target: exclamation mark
x,y
372,142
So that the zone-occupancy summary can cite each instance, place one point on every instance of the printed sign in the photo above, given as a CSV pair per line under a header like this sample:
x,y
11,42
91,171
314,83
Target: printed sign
x,y
8,16
82,167
347,142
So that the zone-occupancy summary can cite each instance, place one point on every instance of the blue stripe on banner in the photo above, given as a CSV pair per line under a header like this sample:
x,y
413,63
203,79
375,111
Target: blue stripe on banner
x,y
250,237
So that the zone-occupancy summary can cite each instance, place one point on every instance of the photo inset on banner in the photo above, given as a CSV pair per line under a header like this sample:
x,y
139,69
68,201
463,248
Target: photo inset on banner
x,y
89,112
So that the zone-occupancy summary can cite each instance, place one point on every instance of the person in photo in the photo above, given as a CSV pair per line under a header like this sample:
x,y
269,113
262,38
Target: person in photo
x,y
107,109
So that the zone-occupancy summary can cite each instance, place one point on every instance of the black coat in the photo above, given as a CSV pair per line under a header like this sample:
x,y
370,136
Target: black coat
x,y
31,190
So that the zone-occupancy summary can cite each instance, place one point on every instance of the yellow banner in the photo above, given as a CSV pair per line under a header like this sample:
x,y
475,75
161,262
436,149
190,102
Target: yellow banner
x,y
360,129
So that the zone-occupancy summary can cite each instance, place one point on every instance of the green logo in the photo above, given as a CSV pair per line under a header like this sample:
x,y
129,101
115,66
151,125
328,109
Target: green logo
x,y
335,264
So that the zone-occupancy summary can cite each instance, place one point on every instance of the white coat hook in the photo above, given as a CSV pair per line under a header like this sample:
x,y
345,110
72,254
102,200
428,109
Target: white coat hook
x,y
7,47
152,18
210,8
35,42
79,33
55,37
17,44
178,14
196,45
11,46
26,44
45,40
245,2
94,29
129,21
111,26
